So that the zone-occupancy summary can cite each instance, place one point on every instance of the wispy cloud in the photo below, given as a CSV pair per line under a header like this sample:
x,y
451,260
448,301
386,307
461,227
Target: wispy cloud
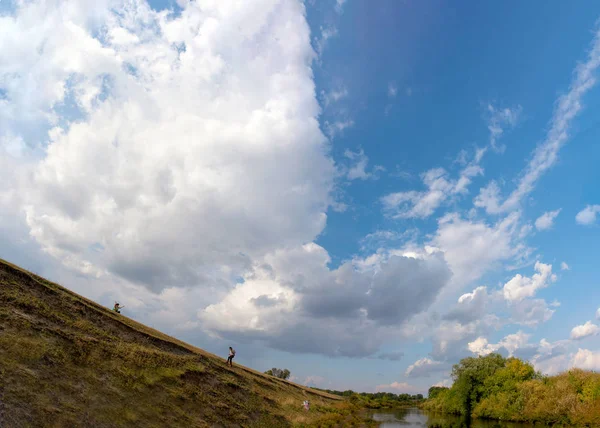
x,y
546,220
399,173
499,120
587,216
322,40
334,95
425,367
413,204
545,155
358,168
338,127
339,6
392,90
422,204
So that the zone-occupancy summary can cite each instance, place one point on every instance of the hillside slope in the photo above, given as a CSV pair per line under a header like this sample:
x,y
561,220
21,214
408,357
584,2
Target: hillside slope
x,y
67,361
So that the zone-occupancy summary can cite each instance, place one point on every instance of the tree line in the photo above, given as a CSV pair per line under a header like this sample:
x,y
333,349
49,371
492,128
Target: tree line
x,y
377,400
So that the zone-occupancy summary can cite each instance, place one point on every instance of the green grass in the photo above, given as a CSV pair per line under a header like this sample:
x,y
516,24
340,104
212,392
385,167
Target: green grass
x,y
67,361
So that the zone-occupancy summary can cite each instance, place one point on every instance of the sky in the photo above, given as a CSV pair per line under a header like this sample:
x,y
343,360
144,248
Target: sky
x,y
363,193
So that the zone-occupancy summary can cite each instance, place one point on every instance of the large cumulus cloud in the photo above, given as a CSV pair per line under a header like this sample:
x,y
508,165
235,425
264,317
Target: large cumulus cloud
x,y
177,147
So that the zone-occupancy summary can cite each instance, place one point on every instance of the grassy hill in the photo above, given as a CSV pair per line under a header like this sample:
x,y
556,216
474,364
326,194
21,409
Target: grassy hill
x,y
68,361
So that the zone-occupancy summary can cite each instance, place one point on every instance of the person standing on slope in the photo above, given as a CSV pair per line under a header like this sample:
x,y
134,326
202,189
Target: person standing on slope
x,y
231,355
117,308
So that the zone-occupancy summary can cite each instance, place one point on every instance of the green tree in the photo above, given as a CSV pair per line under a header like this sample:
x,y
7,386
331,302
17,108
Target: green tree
x,y
469,379
508,377
434,391
280,373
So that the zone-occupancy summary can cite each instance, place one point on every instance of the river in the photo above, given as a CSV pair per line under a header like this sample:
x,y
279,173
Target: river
x,y
413,417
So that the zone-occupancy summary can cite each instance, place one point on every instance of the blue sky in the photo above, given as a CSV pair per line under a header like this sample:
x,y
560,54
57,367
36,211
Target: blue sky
x,y
361,194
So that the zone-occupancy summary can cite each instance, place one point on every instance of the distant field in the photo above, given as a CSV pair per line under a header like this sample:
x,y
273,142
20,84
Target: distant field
x,y
66,361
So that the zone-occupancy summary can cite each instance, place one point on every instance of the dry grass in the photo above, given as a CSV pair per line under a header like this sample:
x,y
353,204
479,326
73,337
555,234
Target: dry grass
x,y
67,361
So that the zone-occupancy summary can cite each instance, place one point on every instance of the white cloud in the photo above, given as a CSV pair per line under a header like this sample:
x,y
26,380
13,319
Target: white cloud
x,y
339,5
392,90
419,204
546,220
471,247
546,154
334,95
587,216
321,42
480,346
337,127
512,344
598,314
586,330
530,312
499,120
399,173
415,204
466,176
358,170
564,266
425,367
520,287
586,359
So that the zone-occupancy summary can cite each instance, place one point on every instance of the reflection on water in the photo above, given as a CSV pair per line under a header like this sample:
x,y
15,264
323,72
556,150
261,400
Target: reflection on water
x,y
407,418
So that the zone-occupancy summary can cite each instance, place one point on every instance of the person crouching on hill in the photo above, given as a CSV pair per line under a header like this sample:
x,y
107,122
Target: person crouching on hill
x,y
231,355
117,308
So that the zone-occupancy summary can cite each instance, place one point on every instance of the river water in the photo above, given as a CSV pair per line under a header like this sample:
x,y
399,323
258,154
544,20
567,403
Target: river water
x,y
407,418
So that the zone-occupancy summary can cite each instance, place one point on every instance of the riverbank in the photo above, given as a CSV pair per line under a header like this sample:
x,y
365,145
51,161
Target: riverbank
x,y
509,389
